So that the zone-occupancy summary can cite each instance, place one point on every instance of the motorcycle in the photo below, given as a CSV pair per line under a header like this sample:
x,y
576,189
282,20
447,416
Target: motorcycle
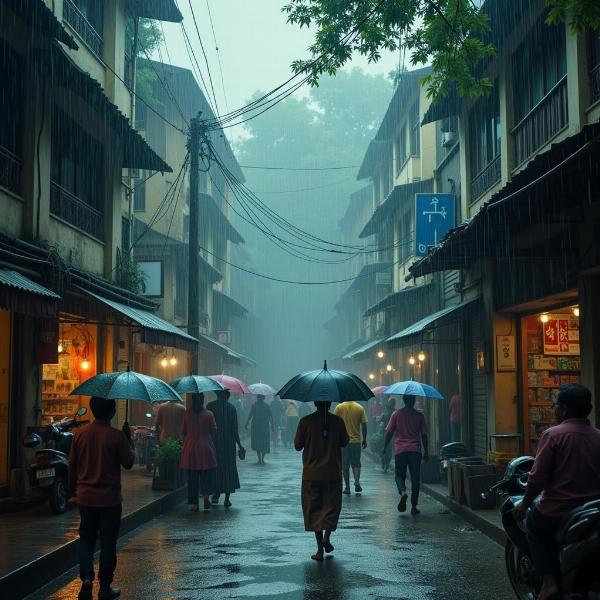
x,y
49,475
578,541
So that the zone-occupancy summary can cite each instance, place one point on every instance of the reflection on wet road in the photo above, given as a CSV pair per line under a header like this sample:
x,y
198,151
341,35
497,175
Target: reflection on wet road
x,y
258,548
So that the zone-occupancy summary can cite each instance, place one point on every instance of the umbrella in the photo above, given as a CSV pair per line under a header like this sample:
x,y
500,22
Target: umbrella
x,y
233,384
127,385
326,385
413,388
377,391
262,389
196,384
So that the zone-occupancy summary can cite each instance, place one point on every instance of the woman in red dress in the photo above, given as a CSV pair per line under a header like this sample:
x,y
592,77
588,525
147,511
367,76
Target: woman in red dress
x,y
198,455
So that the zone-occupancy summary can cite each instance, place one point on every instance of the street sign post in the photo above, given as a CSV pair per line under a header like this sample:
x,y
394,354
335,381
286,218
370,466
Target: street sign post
x,y
434,217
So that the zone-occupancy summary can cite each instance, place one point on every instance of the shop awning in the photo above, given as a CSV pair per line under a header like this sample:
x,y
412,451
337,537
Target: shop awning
x,y
231,305
408,294
362,349
161,10
154,329
427,322
242,357
22,295
365,276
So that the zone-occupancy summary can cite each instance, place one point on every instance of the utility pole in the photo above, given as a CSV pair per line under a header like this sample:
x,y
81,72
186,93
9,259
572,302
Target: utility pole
x,y
193,318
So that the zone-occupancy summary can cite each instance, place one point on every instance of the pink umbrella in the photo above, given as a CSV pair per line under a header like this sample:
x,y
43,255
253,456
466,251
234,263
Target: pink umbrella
x,y
237,386
378,390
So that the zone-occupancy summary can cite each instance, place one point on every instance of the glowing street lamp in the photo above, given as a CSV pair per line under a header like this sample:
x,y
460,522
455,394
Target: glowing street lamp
x,y
421,356
380,354
412,361
164,361
371,376
389,368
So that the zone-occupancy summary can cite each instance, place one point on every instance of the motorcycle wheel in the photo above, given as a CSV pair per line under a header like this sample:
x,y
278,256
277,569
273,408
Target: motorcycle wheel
x,y
515,563
58,496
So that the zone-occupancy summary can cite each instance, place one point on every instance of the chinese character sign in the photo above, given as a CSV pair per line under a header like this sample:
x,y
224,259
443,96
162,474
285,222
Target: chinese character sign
x,y
561,336
434,217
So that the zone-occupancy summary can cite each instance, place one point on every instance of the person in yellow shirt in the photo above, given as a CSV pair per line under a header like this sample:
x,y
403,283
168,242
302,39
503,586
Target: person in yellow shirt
x,y
355,419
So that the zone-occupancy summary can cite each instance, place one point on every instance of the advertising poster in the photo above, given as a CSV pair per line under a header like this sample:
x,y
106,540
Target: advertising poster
x,y
561,336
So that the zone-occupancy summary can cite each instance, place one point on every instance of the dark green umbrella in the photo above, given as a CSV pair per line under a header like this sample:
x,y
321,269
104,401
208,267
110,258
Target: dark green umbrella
x,y
196,384
325,385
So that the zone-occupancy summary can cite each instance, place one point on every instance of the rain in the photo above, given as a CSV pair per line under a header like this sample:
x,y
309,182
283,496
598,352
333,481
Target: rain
x,y
299,299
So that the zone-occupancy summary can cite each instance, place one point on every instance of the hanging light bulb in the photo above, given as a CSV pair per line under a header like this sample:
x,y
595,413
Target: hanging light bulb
x,y
164,361
173,360
371,376
380,354
388,368
61,348
544,318
412,361
421,356
576,311
85,364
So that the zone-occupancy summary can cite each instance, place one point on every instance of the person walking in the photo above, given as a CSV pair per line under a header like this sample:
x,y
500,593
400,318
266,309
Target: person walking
x,y
226,439
565,475
98,452
277,411
292,416
355,420
169,421
384,419
455,417
321,436
198,455
262,424
408,424
375,410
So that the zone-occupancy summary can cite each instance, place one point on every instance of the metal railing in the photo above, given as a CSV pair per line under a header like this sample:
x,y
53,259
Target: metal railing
x,y
485,179
547,118
75,18
74,211
10,171
595,84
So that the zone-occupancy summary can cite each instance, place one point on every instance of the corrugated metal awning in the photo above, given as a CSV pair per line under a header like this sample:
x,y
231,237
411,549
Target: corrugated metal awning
x,y
362,349
22,295
423,324
154,329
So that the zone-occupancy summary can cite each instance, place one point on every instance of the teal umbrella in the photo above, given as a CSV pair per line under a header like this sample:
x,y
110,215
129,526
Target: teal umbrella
x,y
196,384
413,388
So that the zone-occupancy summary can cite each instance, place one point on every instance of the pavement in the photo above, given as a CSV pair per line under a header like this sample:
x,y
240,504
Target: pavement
x,y
35,544
259,549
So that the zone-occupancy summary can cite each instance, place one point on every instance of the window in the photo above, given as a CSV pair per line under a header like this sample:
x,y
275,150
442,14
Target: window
x,y
153,277
484,132
77,163
401,150
415,132
538,65
139,193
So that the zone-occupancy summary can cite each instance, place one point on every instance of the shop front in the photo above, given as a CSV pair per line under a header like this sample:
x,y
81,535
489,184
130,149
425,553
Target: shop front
x,y
550,358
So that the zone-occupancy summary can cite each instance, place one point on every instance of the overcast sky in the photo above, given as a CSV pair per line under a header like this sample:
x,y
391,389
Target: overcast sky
x,y
255,43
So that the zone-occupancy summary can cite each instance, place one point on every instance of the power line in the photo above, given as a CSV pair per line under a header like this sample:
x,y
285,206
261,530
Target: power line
x,y
307,189
299,168
212,26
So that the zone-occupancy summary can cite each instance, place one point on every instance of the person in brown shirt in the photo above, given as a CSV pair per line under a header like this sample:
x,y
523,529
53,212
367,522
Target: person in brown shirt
x,y
97,454
169,421
321,437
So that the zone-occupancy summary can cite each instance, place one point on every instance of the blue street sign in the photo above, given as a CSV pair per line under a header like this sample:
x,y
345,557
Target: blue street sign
x,y
434,217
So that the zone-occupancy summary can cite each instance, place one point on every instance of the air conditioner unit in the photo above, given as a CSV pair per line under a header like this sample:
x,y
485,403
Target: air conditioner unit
x,y
448,139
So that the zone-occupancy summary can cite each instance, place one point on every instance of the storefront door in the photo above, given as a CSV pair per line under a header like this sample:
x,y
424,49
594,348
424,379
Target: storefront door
x,y
5,349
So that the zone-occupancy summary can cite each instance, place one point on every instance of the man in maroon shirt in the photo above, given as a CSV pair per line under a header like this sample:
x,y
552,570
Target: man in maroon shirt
x,y
565,475
97,454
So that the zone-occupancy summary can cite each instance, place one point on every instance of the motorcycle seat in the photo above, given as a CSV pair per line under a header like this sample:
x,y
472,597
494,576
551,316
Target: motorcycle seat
x,y
578,522
56,453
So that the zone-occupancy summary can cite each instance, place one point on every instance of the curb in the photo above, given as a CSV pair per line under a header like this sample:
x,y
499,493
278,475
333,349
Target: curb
x,y
29,577
494,532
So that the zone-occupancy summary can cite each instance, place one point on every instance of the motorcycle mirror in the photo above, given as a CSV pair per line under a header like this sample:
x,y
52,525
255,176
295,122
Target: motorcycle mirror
x,y
82,411
32,440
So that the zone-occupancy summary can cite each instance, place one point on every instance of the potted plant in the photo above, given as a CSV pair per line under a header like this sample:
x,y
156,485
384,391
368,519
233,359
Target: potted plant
x,y
167,474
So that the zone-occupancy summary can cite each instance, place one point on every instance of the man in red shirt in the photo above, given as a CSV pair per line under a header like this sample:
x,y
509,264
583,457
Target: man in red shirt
x,y
97,454
411,448
565,475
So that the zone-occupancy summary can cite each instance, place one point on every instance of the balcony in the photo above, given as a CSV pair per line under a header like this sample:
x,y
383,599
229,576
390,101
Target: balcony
x,y
10,171
86,31
547,118
74,211
485,179
595,84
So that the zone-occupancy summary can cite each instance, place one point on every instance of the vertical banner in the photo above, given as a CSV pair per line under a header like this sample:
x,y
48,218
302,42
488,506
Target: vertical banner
x,y
434,217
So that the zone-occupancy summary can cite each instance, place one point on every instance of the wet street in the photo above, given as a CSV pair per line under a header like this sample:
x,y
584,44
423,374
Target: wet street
x,y
258,548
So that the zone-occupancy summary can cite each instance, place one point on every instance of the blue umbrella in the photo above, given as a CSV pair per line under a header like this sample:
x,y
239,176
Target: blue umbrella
x,y
413,388
326,385
196,384
127,385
